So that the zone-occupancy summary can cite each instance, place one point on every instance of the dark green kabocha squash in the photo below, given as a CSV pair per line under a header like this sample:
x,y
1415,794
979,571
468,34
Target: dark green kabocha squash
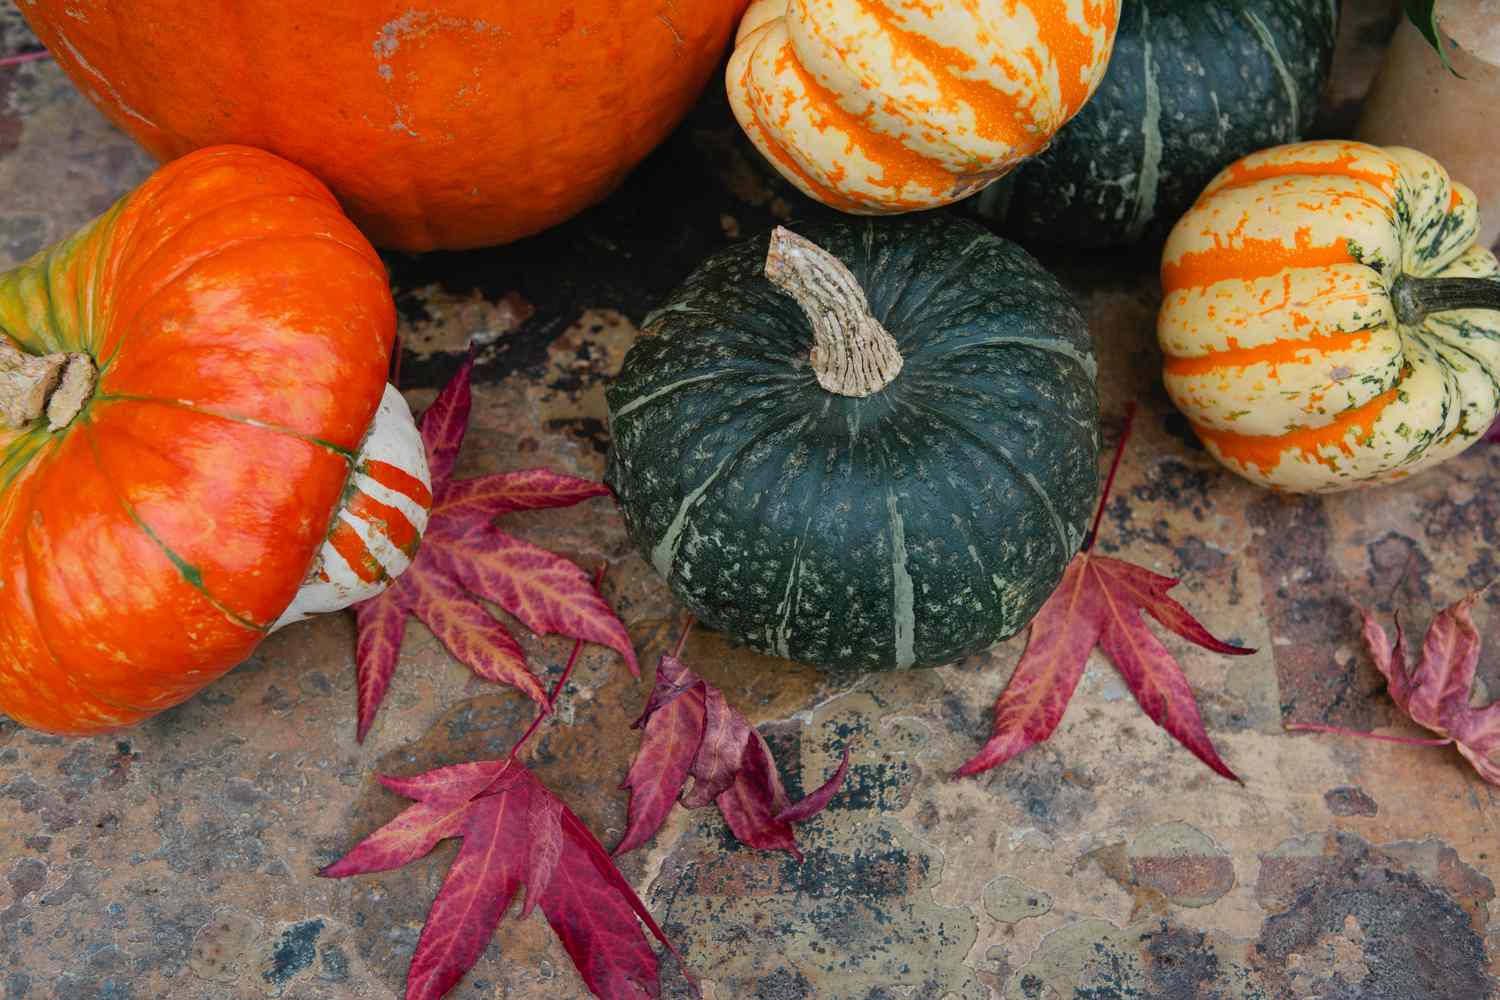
x,y
888,464
1193,85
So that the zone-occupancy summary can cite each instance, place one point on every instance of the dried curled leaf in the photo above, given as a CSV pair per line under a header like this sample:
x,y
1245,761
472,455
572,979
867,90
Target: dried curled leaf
x,y
690,730
1435,692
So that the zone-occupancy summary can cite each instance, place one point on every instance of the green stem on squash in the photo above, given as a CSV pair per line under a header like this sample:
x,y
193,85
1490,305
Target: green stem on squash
x,y
32,385
852,355
1417,298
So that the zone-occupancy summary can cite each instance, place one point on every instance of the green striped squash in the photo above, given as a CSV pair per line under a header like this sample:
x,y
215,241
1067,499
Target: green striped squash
x,y
900,480
1192,86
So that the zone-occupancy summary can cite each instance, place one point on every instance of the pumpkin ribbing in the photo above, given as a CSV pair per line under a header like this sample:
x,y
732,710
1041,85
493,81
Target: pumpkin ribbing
x,y
910,526
158,525
1191,87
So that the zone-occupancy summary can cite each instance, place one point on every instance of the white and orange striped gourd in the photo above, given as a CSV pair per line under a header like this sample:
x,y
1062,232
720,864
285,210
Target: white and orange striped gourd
x,y
1328,322
380,521
884,106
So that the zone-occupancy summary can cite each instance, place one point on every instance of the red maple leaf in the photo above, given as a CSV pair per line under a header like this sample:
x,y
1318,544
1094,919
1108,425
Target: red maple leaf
x,y
1099,603
464,557
516,833
689,729
1435,694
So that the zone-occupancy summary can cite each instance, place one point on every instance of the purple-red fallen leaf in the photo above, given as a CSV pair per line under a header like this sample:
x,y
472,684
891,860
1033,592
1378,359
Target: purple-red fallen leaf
x,y
444,423
689,728
1099,602
670,739
411,835
755,798
1158,683
515,833
471,633
545,591
1435,693
595,919
672,678
545,836
726,733
463,552
381,624
580,835
816,801
446,785
478,890
1149,590
1032,704
1091,608
487,497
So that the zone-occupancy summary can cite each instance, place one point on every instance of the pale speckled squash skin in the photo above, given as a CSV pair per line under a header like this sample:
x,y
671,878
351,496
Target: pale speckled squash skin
x,y
1192,86
1280,326
908,528
901,105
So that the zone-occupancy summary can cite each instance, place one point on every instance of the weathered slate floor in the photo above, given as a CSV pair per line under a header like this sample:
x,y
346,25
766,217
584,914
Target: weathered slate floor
x,y
177,859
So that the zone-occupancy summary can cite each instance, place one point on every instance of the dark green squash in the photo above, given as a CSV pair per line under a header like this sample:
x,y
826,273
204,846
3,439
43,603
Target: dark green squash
x,y
911,526
1192,86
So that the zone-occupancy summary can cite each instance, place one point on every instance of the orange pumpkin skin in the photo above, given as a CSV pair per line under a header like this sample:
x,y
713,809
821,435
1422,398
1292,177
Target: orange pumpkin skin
x,y
451,124
242,329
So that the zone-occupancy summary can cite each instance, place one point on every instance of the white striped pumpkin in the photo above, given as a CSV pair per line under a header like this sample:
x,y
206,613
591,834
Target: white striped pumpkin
x,y
1312,326
380,522
883,106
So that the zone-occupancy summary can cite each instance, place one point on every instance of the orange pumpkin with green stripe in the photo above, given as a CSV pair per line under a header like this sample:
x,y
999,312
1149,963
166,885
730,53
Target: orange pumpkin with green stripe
x,y
883,106
197,442
1327,321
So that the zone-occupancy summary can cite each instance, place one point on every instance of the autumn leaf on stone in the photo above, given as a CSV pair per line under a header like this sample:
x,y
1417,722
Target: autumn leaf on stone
x,y
1435,693
689,730
517,837
1100,602
464,557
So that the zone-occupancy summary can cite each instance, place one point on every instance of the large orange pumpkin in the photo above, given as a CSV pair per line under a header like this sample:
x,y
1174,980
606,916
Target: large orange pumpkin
x,y
197,443
447,124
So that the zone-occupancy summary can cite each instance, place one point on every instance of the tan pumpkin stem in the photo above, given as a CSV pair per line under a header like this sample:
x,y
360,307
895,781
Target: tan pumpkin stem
x,y
852,355
31,385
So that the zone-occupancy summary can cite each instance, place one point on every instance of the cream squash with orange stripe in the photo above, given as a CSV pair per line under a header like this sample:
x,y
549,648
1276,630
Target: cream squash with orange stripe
x,y
1327,321
375,534
883,106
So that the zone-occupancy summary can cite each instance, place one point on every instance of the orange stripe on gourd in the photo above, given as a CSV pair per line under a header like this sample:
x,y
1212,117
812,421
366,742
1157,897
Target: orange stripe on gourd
x,y
347,543
1251,258
1359,163
1073,47
387,520
996,113
1265,453
1280,352
895,106
398,480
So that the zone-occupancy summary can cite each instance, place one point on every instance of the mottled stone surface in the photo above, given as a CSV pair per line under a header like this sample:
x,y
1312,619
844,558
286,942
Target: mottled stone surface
x,y
177,859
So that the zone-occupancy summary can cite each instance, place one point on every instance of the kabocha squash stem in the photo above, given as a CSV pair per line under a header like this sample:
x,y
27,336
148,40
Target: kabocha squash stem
x,y
1417,298
852,355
